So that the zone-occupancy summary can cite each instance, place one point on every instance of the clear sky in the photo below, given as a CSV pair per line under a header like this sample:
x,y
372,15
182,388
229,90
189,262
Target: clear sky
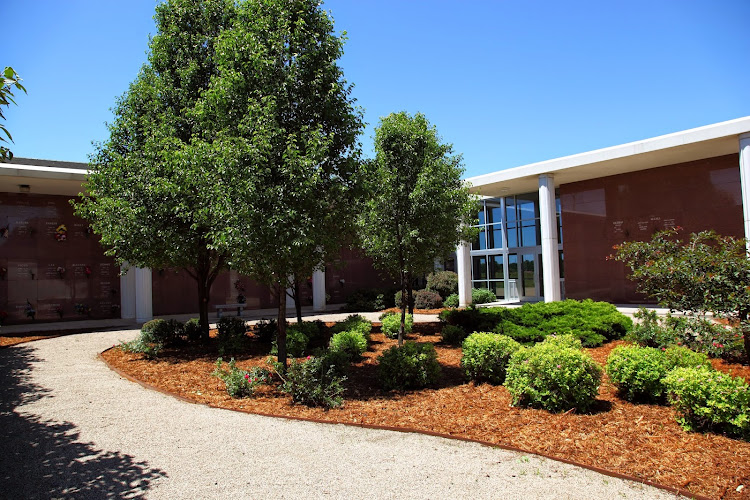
x,y
508,82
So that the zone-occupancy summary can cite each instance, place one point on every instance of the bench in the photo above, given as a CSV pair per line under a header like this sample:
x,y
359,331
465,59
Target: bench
x,y
221,307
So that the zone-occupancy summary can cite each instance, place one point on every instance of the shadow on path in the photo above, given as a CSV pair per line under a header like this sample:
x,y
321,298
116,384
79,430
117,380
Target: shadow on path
x,y
44,459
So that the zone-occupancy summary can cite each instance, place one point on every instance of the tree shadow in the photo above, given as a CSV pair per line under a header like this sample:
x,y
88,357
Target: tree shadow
x,y
44,459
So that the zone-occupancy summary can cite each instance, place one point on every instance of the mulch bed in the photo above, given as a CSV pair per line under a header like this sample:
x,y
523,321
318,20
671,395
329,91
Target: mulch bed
x,y
642,441
9,340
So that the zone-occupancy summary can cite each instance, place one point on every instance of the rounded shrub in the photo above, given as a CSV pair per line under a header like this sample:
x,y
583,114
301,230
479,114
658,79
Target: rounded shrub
x,y
296,343
445,283
353,343
564,340
637,372
231,334
161,331
451,300
410,366
266,330
452,334
192,329
391,322
709,400
397,299
486,355
682,357
426,299
482,296
354,322
314,382
553,378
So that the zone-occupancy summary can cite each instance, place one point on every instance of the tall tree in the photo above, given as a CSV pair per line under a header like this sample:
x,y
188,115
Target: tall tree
x,y
159,189
419,208
298,206
10,80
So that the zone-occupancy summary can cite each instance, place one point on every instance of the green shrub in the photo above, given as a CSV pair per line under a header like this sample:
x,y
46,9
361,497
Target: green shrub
x,y
266,330
410,366
564,340
391,322
160,331
352,343
314,382
682,357
451,300
473,319
553,378
637,372
445,283
138,346
241,383
354,322
486,355
313,330
296,343
523,334
452,334
370,299
397,299
232,334
193,329
648,332
482,296
709,400
426,299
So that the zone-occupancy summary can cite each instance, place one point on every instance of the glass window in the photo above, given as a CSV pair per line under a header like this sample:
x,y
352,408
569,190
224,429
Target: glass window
x,y
529,236
479,284
496,236
494,213
499,288
562,265
559,229
496,267
480,268
512,235
513,266
528,206
480,242
510,209
481,216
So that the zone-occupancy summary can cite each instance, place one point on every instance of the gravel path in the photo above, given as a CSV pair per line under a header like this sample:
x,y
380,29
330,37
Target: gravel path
x,y
71,428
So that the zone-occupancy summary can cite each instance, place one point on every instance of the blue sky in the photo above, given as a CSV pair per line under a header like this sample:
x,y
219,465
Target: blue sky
x,y
507,82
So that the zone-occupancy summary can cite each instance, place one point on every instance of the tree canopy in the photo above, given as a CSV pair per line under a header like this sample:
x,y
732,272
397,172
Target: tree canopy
x,y
706,273
235,145
419,207
10,80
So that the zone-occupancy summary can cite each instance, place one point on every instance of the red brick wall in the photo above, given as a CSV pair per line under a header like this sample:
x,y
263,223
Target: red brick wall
x,y
600,213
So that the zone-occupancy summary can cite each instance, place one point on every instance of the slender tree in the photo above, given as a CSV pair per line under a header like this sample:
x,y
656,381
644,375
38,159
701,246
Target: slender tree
x,y
419,208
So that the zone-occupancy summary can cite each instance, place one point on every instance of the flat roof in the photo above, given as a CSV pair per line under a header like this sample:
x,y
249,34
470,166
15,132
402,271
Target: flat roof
x,y
43,176
689,145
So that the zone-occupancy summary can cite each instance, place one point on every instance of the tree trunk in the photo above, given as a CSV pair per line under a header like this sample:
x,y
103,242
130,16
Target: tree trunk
x,y
281,325
404,298
297,301
204,290
409,295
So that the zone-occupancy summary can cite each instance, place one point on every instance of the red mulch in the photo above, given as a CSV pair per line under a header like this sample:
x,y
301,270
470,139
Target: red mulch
x,y
642,441
8,340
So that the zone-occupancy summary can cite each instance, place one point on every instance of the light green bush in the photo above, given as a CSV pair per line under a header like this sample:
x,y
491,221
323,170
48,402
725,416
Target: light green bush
x,y
353,343
391,322
486,355
410,366
482,296
314,382
637,372
451,300
296,343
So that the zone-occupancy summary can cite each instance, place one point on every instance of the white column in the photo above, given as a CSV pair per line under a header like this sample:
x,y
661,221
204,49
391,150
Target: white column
x,y
745,182
463,266
548,222
144,309
319,290
127,293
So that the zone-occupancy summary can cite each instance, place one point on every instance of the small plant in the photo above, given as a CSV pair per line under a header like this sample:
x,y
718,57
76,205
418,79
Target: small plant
x,y
266,329
486,355
314,382
426,299
445,283
232,334
296,343
192,330
553,378
452,334
354,322
482,296
451,300
708,400
239,383
391,322
397,299
410,366
310,329
352,343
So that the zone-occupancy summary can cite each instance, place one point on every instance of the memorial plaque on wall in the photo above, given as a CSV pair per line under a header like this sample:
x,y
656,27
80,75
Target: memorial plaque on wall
x,y
79,270
20,271
78,229
105,270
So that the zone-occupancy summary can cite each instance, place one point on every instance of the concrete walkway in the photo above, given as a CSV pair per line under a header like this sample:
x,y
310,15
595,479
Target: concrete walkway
x,y
72,428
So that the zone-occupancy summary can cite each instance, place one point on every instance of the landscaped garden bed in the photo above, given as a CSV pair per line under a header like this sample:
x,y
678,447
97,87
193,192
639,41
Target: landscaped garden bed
x,y
640,440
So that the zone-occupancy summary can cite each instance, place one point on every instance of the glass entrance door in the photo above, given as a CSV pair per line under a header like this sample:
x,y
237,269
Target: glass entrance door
x,y
526,270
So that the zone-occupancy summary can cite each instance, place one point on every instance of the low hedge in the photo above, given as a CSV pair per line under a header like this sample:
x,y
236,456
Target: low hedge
x,y
410,366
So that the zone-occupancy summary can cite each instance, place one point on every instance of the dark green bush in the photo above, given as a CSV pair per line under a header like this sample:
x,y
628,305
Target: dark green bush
x,y
266,330
391,323
296,342
553,378
486,355
708,400
370,299
482,296
232,335
352,343
473,319
452,334
167,332
314,382
451,300
410,366
193,330
313,330
445,283
648,332
426,299
397,299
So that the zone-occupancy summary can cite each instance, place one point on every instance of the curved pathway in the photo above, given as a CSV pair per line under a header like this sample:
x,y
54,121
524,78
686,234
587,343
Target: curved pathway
x,y
72,428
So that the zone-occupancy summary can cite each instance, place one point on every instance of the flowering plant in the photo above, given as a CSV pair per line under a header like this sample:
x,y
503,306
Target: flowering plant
x,y
61,233
60,271
87,270
83,309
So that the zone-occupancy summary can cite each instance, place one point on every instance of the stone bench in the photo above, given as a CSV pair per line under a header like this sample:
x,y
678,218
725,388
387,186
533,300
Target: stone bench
x,y
222,307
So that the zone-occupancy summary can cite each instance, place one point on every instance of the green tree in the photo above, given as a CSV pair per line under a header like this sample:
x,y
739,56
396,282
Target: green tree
x,y
10,80
419,208
298,206
159,188
706,273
